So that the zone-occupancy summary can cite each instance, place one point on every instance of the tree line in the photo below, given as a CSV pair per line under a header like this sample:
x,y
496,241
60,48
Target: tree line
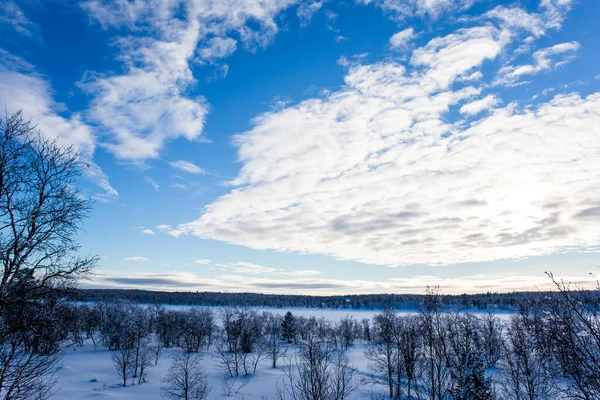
x,y
483,301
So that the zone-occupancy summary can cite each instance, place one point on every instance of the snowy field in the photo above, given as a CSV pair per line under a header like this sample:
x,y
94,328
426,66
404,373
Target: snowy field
x,y
89,373
333,314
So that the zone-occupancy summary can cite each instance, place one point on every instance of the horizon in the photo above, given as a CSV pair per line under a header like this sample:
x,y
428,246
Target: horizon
x,y
316,147
328,295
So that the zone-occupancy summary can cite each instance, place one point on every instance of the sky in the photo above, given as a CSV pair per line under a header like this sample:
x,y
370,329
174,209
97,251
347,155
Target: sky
x,y
321,147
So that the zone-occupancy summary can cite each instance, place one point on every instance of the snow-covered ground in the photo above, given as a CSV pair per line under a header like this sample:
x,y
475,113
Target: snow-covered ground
x,y
335,314
89,373
332,314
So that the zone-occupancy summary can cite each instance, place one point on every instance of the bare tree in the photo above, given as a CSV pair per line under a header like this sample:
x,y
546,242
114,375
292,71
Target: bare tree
x,y
197,329
492,339
527,368
436,371
144,359
366,329
139,324
232,385
123,359
575,328
408,352
230,358
318,373
273,335
342,380
25,374
40,212
382,352
261,351
91,321
346,331
157,349
241,344
185,380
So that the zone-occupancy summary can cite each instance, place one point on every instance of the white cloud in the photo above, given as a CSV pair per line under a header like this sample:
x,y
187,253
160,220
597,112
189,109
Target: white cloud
x,y
374,172
22,88
249,268
477,106
246,268
550,16
152,183
555,12
479,283
147,231
187,167
220,72
307,9
518,18
331,15
400,40
13,17
217,48
545,59
137,259
343,61
475,76
148,105
163,228
302,272
401,9
456,55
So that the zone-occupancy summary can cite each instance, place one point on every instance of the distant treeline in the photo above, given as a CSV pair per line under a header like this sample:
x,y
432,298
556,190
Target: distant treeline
x,y
501,301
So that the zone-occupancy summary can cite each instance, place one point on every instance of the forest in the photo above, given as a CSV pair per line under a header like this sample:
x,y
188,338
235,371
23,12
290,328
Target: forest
x,y
549,349
483,302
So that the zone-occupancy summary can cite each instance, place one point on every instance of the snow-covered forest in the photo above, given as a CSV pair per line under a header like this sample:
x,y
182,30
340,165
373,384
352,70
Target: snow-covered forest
x,y
123,350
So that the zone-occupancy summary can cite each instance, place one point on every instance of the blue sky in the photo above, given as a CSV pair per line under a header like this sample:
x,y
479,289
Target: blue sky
x,y
322,146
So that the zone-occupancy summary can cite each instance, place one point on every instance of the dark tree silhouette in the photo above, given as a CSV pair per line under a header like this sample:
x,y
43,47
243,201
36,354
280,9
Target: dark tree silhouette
x,y
288,326
40,212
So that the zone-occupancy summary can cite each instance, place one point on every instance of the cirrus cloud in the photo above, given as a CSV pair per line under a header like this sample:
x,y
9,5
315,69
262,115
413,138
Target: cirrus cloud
x,y
187,166
545,59
137,259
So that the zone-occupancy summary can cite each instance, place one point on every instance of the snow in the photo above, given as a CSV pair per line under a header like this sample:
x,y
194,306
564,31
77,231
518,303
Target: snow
x,y
334,314
88,373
